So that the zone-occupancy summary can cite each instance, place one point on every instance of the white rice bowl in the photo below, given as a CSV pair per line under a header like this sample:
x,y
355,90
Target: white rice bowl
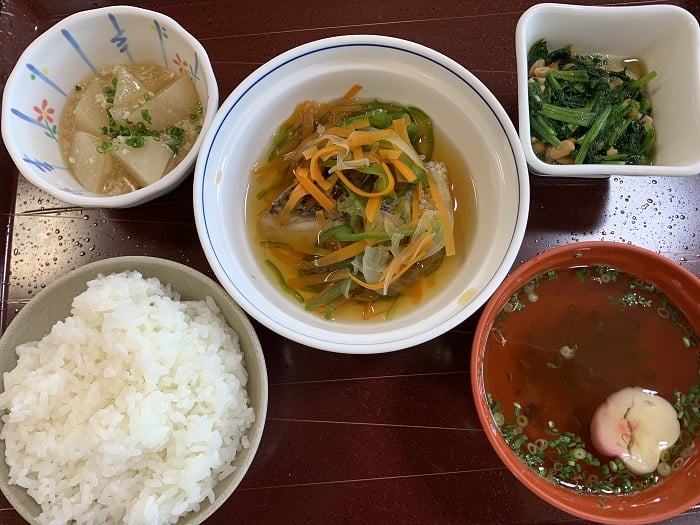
x,y
130,410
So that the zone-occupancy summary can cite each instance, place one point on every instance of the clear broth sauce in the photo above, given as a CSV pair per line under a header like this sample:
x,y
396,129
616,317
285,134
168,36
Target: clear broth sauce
x,y
465,225
636,67
568,340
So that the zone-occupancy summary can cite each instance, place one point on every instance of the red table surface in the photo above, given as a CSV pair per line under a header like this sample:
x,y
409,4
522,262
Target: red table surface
x,y
390,438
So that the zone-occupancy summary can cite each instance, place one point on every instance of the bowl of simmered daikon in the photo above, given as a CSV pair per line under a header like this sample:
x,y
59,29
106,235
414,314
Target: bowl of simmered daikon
x,y
585,378
107,107
361,194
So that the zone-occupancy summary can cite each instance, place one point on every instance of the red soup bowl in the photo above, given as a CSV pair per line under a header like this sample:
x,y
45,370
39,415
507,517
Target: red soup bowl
x,y
562,333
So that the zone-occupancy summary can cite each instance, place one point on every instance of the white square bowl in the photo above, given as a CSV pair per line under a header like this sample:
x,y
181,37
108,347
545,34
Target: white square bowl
x,y
665,37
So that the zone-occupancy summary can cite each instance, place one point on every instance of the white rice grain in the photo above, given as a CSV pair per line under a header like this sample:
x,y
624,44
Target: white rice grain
x,y
128,411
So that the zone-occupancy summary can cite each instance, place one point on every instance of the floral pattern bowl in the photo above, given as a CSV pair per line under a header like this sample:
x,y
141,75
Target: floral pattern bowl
x,y
65,54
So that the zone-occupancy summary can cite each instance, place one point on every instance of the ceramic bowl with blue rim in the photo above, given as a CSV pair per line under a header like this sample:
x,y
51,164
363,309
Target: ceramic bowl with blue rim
x,y
67,53
485,161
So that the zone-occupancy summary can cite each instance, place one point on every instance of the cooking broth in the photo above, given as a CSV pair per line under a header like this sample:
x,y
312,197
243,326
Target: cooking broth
x,y
635,67
566,341
464,196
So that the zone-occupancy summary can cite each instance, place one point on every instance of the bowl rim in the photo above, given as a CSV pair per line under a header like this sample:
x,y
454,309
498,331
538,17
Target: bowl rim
x,y
137,263
551,493
535,164
166,183
367,345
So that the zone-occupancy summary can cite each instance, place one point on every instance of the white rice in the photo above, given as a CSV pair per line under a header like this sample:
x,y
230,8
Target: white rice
x,y
128,411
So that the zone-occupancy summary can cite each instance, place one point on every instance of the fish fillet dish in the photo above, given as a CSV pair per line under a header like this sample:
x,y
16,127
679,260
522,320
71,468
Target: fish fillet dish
x,y
351,207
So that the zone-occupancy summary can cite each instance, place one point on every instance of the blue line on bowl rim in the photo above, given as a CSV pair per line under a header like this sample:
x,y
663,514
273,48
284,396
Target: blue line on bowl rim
x,y
214,134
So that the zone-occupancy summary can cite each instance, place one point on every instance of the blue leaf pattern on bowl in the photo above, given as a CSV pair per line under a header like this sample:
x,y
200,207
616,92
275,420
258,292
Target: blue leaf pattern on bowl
x,y
74,192
77,48
120,39
41,165
160,31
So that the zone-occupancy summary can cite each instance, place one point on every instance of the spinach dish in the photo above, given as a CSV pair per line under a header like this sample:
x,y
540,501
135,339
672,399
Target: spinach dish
x,y
589,109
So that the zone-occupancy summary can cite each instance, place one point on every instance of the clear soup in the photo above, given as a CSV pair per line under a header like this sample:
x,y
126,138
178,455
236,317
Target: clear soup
x,y
567,340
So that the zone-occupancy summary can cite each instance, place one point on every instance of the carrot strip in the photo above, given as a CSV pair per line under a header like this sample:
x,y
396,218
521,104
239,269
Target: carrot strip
x,y
377,286
444,217
372,208
321,220
307,120
413,253
357,124
343,254
354,90
362,138
389,187
295,196
339,131
330,182
314,168
287,256
404,170
279,162
399,126
327,151
326,202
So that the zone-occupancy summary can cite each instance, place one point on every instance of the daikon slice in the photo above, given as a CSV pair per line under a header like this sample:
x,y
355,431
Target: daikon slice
x,y
89,166
168,107
90,111
129,94
129,88
146,163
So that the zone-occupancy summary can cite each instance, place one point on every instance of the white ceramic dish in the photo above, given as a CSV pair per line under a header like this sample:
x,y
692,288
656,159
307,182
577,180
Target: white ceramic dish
x,y
54,303
65,54
391,69
666,37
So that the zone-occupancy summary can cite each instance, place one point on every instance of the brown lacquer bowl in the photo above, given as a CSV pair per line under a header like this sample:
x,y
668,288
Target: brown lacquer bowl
x,y
563,332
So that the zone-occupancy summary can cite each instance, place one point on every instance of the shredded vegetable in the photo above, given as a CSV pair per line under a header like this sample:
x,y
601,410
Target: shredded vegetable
x,y
352,193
